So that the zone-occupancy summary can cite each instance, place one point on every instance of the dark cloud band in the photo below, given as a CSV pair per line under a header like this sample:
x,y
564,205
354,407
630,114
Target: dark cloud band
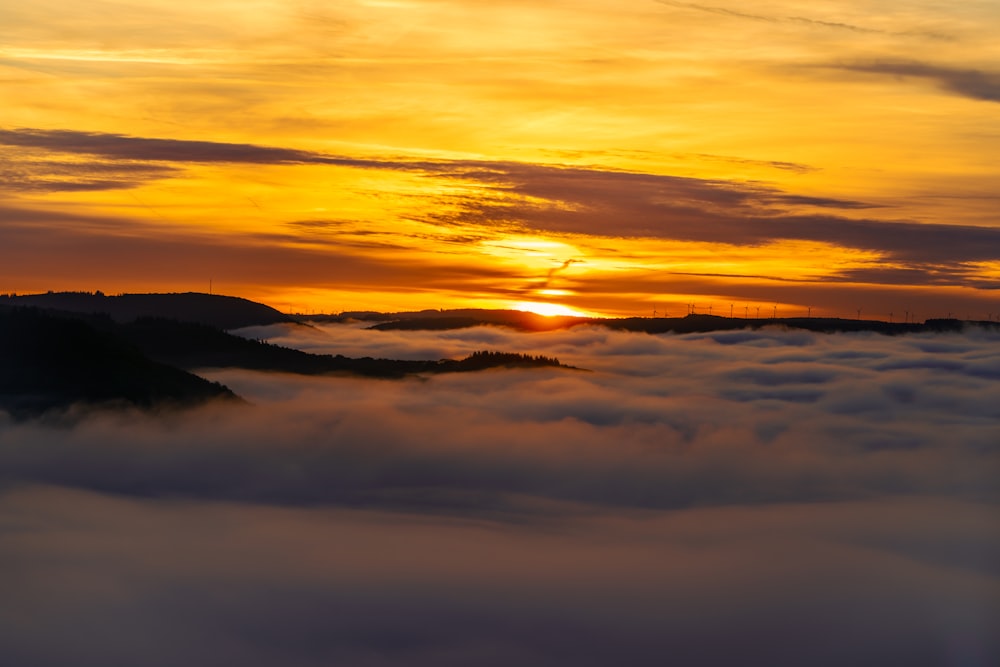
x,y
564,200
972,83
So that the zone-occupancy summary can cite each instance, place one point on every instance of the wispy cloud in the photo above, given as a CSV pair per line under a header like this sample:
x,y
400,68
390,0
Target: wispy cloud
x,y
21,173
972,83
776,18
794,167
123,147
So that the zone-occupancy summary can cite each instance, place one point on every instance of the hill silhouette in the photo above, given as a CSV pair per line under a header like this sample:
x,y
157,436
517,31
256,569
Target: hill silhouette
x,y
223,312
521,321
456,319
191,346
50,362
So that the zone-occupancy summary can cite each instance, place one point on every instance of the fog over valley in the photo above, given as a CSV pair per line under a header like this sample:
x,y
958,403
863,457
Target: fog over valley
x,y
802,498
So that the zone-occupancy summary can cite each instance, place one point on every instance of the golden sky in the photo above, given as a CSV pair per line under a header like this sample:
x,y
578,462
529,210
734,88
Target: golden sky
x,y
608,157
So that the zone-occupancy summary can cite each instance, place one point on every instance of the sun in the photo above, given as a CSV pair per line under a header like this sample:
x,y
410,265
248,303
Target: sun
x,y
547,309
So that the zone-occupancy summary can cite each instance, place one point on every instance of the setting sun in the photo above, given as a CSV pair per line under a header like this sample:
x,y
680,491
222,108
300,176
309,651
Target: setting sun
x,y
549,309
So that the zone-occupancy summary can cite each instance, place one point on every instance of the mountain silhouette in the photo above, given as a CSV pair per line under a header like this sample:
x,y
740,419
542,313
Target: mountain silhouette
x,y
53,359
192,346
223,312
438,320
459,318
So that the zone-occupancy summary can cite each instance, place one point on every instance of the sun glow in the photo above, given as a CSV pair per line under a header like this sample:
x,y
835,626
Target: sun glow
x,y
548,309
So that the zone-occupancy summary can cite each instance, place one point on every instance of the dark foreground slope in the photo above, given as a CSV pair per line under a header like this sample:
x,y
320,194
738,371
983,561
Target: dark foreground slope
x,y
222,312
50,362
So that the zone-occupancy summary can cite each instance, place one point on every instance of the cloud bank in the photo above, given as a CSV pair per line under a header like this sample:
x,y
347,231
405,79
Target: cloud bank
x,y
769,496
555,199
624,204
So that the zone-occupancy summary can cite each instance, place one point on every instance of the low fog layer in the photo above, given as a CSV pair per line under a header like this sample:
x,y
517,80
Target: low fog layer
x,y
773,497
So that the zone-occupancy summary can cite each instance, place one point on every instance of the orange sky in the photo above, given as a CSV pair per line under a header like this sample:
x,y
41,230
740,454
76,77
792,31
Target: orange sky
x,y
601,156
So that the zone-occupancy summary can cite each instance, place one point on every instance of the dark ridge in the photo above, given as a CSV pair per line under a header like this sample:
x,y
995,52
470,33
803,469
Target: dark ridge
x,y
189,345
460,319
707,323
222,312
49,362
453,319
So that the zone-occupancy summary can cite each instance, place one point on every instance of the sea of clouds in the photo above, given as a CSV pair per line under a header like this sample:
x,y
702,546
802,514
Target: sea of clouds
x,y
748,497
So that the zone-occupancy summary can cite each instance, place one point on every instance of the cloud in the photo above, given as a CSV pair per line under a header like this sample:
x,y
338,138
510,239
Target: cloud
x,y
136,160
123,147
774,18
540,198
768,496
23,174
111,146
627,204
972,83
762,17
112,249
794,167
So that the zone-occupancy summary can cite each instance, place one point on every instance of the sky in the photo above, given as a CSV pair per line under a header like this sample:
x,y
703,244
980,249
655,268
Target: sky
x,y
744,497
609,158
